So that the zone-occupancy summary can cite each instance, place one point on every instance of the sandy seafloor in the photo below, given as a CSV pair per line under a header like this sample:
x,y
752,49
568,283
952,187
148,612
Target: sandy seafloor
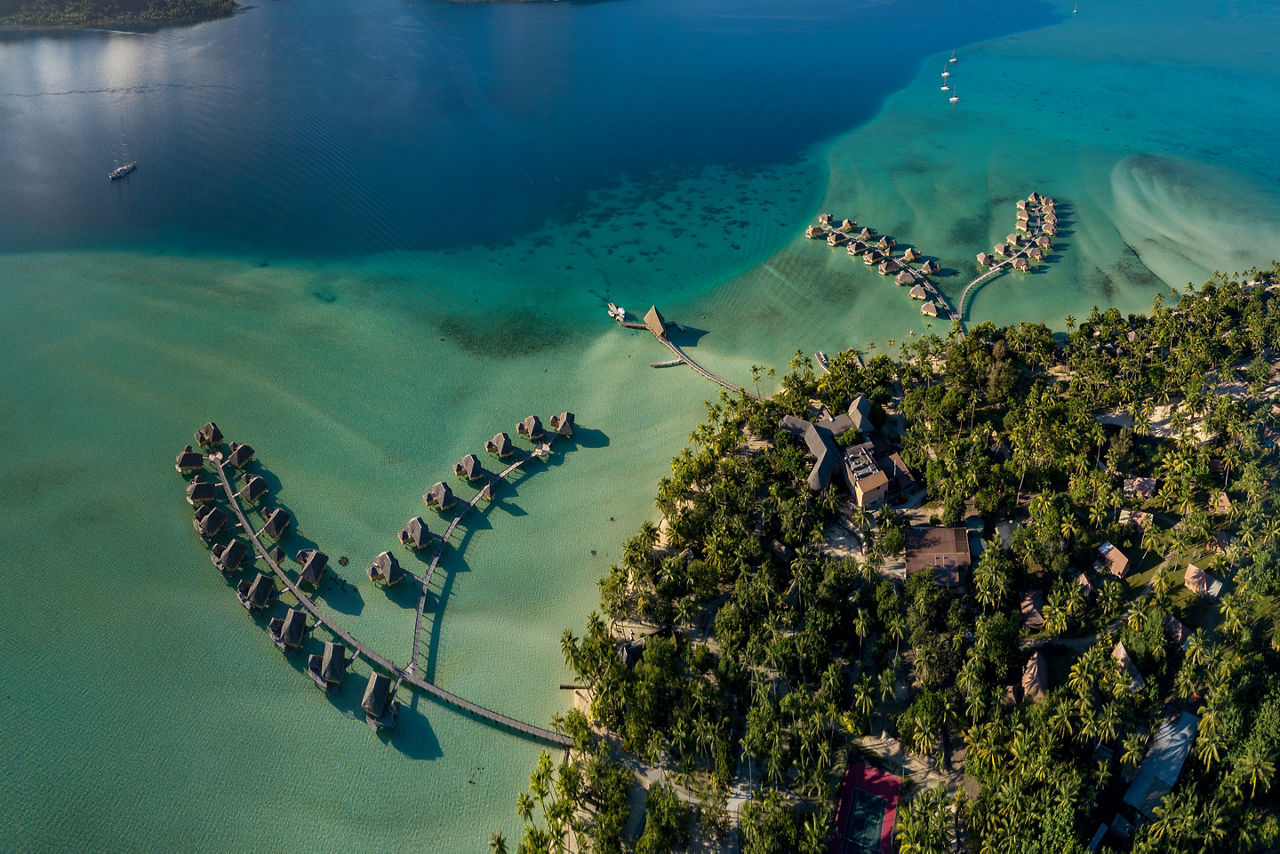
x,y
145,710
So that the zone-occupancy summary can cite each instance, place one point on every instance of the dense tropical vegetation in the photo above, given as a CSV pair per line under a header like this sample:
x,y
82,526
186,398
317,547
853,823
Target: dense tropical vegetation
x,y
98,13
766,656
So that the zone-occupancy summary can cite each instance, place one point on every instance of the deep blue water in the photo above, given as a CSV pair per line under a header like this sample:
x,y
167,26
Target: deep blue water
x,y
334,129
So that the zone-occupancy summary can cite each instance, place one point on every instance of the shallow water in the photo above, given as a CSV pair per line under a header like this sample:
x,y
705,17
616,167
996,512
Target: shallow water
x,y
333,247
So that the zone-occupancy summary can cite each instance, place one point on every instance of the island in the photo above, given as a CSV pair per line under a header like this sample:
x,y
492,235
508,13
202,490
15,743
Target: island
x,y
999,590
112,13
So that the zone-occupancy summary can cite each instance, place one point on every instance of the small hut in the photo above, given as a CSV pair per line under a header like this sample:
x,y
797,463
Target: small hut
x,y
276,555
209,436
562,423
856,247
867,234
835,238
501,445
288,631
1048,201
1022,204
1003,249
256,596
415,534
531,428
386,568
1014,239
918,292
1022,216
871,257
911,254
201,491
209,520
1122,657
1035,678
313,563
930,268
813,232
380,708
1051,219
886,243
1086,585
1034,198
1022,226
469,467
1032,608
1050,229
487,491
889,266
985,260
1035,254
1112,560
825,219
328,669
1200,582
227,558
1044,241
1020,263
189,460
929,309
904,278
240,455
1174,629
848,225
440,495
655,322
276,522
254,488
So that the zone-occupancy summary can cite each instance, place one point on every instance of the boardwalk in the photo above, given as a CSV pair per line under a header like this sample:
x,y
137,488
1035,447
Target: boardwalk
x,y
406,674
720,381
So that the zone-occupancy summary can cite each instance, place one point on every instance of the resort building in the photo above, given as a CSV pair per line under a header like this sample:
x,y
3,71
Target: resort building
x,y
531,428
276,522
1200,582
469,467
189,460
240,455
227,558
1112,560
563,424
386,569
415,534
501,445
257,595
328,669
1139,487
201,491
1035,678
1159,771
1033,610
209,436
288,631
253,490
870,484
440,495
656,323
1125,661
210,519
380,708
313,563
944,551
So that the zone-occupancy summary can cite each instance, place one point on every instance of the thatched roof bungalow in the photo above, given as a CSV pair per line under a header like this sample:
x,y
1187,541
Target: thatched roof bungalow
x,y
835,238
439,495
1003,249
1200,582
201,491
985,259
1086,585
886,243
277,521
1022,226
911,254
1122,657
253,489
1044,241
889,266
1035,254
531,428
929,309
1022,204
1035,678
856,247
1014,239
240,455
867,234
813,232
930,267
822,448
848,224
1032,608
562,423
288,631
1050,229
387,569
313,563
276,555
825,219
257,595
655,322
210,519
501,445
1020,263
380,709
488,490
189,460
227,558
328,669
469,467
872,256
209,436
1112,560
415,534
918,292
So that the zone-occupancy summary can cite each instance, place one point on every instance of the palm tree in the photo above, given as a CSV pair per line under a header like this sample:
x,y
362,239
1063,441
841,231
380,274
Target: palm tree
x,y
498,843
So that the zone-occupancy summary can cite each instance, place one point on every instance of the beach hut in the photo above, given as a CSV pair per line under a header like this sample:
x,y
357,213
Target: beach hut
x,y
1022,204
1032,608
1003,249
1035,678
562,423
1045,242
867,234
918,292
189,460
1022,226
1086,585
487,491
209,436
985,260
253,489
288,631
1035,254
209,520
1020,263
856,247
1122,657
415,534
929,309
313,563
276,555
500,444
1200,582
386,568
201,491
1034,197
328,669
227,558
530,428
240,455
469,467
1112,560
872,257
911,254
813,232
848,225
904,278
930,268
276,522
889,266
256,596
825,219
886,243
439,495
835,238
1049,229
380,708
1014,239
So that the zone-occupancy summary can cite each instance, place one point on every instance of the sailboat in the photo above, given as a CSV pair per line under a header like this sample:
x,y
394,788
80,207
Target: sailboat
x,y
945,87
953,56
945,72
121,171
1075,9
954,98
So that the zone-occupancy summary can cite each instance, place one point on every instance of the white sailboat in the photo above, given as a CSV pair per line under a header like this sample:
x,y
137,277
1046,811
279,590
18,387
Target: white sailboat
x,y
945,87
953,56
1075,9
945,72
955,99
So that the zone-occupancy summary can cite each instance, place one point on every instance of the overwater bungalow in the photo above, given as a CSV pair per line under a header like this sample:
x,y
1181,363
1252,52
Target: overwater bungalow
x,y
1022,226
313,562
488,490
469,467
929,309
386,568
911,254
201,491
1051,219
254,489
1035,254
856,247
256,596
904,278
415,534
209,436
1048,201
825,219
562,423
276,522
1020,264
889,266
813,232
380,708
1044,241
1050,229
501,445
1022,216
530,428
240,455
985,260
835,238
439,495
288,631
848,225
1034,197
276,555
867,234
930,268
872,257
918,292
1014,239
886,243
227,558
1003,249
210,519
1022,204
328,669
189,460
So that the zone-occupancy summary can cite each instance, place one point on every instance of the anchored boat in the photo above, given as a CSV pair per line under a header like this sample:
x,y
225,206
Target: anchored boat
x,y
121,171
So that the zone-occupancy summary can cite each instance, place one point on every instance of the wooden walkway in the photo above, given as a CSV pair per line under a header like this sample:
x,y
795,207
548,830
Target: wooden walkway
x,y
720,381
1006,264
401,674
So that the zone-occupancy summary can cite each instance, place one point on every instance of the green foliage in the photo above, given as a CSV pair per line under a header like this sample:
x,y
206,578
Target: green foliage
x,y
54,13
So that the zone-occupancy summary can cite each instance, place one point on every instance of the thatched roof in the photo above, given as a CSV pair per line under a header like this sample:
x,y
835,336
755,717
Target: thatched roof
x,y
1035,254
189,460
228,557
313,563
1113,560
814,231
856,247
277,522
821,446
292,628
276,554
835,238
199,491
1003,249
888,266
929,309
254,488
500,444
1022,204
531,427
415,533
1086,585
1032,608
563,423
1121,655
208,435
825,218
261,591
1196,580
1022,226
240,455
1174,629
656,323
930,267
985,259
469,467
439,495
872,256
866,234
1035,678
387,569
487,491
911,253
1044,241
1021,263
1049,228
886,243
209,520
918,292
334,664
1051,218
1034,197
377,694
848,225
